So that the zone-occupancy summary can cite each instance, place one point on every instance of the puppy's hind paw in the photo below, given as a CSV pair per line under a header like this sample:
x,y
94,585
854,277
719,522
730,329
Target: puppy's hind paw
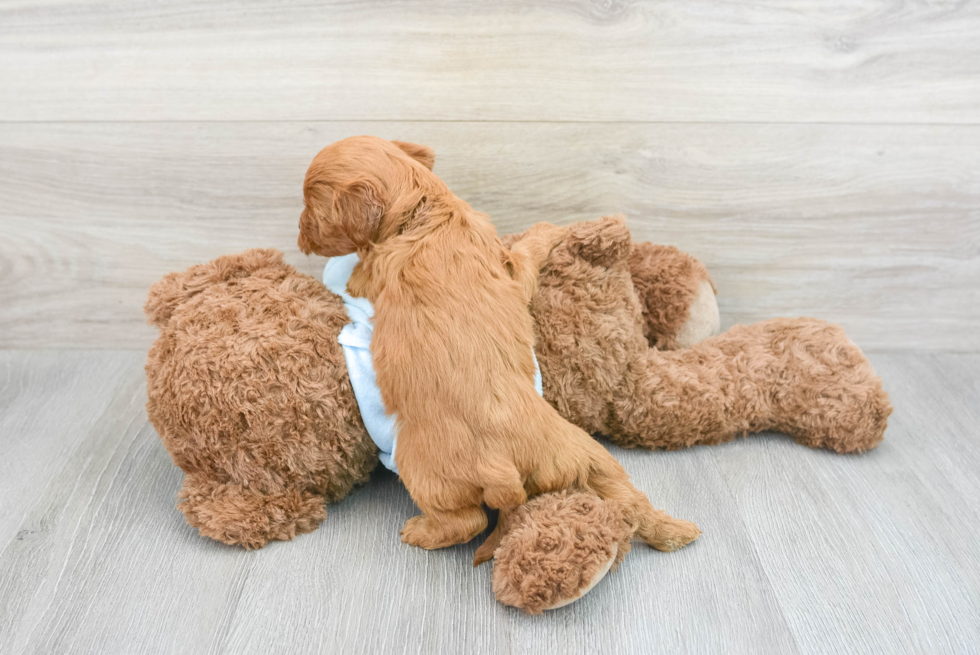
x,y
417,532
444,529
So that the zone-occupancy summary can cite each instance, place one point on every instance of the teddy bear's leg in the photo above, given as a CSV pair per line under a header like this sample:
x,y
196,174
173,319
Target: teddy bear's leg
x,y
676,295
798,376
801,377
237,515
555,549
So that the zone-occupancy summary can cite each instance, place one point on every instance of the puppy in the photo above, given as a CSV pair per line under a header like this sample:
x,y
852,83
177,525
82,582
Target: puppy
x,y
452,345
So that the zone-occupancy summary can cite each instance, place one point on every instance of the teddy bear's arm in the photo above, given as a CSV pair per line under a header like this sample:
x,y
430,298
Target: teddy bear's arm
x,y
676,293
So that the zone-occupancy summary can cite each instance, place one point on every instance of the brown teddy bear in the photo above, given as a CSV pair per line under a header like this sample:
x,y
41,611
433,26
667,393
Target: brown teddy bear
x,y
249,391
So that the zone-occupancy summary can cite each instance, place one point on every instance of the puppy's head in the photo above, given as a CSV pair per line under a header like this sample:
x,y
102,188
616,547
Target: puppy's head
x,y
360,191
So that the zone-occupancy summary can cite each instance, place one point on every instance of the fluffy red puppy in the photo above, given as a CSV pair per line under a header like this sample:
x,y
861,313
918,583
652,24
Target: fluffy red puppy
x,y
452,345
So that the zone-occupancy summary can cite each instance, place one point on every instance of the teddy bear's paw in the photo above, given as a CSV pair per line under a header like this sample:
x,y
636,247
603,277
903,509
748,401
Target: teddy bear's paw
x,y
703,320
674,534
556,548
242,516
596,577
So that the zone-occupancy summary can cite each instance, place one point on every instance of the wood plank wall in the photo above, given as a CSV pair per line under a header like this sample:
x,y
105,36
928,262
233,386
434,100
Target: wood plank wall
x,y
821,158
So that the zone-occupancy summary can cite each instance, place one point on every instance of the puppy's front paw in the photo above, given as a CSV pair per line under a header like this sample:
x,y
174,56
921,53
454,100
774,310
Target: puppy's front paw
x,y
675,534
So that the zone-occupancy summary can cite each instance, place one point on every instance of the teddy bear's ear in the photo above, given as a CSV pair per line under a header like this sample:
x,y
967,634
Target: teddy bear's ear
x,y
422,154
603,242
358,209
163,298
175,289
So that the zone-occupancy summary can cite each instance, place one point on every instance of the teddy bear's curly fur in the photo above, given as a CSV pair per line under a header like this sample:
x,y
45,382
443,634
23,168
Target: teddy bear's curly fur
x,y
248,389
249,392
801,377
555,547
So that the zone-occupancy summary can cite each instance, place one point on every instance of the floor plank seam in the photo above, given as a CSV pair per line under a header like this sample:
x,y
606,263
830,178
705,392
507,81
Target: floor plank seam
x,y
776,596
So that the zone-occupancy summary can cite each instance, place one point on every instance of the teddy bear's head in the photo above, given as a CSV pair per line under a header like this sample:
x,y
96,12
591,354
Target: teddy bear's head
x,y
247,387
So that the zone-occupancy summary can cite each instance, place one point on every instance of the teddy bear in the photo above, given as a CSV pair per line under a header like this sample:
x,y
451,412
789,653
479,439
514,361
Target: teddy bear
x,y
248,389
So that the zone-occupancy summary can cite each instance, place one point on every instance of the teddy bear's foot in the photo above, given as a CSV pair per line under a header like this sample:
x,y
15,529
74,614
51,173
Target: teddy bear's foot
x,y
241,516
596,578
821,388
444,529
703,320
676,295
802,377
556,548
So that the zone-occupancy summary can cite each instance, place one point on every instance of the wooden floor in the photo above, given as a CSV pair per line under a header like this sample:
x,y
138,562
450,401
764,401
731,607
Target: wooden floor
x,y
803,551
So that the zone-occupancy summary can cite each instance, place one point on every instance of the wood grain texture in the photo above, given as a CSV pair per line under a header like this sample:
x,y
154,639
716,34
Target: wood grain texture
x,y
674,60
48,403
857,547
875,227
803,551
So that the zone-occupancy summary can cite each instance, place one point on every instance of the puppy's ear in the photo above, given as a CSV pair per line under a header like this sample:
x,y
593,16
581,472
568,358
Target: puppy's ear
x,y
422,154
358,209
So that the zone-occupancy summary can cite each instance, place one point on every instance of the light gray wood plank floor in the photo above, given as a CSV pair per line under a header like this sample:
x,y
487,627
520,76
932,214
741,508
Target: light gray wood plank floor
x,y
803,551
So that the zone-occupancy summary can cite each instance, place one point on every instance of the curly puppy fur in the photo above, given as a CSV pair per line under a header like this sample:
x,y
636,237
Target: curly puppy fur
x,y
249,392
802,377
452,347
554,546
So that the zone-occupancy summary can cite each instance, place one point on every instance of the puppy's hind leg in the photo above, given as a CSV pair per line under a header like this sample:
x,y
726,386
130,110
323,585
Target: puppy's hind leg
x,y
503,486
504,490
452,510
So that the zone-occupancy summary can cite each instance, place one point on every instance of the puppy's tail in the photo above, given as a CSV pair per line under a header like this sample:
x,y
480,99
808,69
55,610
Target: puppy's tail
x,y
609,480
